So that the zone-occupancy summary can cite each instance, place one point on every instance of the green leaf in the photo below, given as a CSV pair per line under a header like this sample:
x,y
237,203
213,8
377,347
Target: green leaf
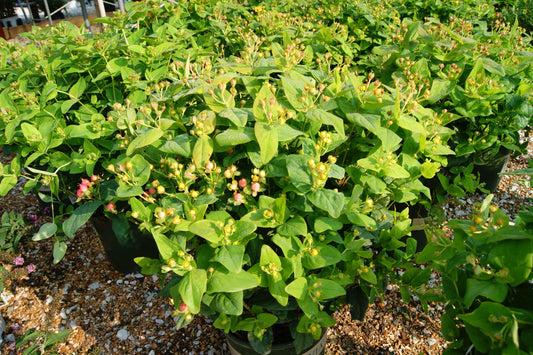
x,y
231,256
45,231
78,88
180,145
298,288
262,345
267,137
286,133
480,317
369,276
54,338
148,266
79,217
116,64
448,327
31,133
192,287
202,151
294,226
231,282
439,90
129,191
237,116
493,67
328,288
167,248
235,136
277,286
323,224
7,183
327,118
327,200
294,88
489,289
299,172
230,303
207,229
144,140
516,256
269,256
48,93
327,255
389,140
60,248
395,171
429,169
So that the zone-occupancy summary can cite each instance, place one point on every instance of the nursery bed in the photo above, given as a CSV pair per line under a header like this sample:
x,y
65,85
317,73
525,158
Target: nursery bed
x,y
113,313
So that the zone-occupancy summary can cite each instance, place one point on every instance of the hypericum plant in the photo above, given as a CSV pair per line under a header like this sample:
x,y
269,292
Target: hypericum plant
x,y
264,192
267,177
487,281
474,73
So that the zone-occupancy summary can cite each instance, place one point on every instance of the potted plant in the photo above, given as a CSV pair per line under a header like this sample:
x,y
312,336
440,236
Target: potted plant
x,y
267,178
486,279
476,76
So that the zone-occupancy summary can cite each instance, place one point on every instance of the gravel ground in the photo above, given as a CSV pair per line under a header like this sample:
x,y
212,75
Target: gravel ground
x,y
113,313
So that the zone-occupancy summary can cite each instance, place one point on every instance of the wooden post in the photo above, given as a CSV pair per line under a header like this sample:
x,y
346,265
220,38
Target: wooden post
x,y
100,9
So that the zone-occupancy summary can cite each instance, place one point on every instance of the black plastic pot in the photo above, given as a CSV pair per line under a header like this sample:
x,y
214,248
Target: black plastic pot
x,y
123,241
239,346
489,170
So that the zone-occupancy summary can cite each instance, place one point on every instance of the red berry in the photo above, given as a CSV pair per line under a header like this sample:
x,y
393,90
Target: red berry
x,y
242,182
151,190
94,178
183,307
110,206
237,197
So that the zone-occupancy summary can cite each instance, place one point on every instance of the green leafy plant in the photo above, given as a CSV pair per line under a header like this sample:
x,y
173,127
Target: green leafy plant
x,y
266,172
13,228
255,144
486,279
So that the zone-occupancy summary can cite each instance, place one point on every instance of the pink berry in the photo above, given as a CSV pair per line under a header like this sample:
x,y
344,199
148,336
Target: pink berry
x,y
255,186
242,182
110,206
79,193
237,197
83,188
94,178
151,190
209,166
183,307
85,182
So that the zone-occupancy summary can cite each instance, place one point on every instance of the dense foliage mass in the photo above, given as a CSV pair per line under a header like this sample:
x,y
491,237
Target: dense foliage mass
x,y
274,150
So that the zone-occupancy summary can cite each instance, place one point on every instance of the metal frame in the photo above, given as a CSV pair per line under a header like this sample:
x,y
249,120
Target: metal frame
x,y
83,11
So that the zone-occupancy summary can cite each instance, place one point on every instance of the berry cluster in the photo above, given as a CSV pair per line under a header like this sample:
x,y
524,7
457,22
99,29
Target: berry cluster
x,y
86,188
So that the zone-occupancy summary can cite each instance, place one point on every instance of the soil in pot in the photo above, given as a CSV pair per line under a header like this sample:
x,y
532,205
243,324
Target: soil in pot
x,y
123,242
